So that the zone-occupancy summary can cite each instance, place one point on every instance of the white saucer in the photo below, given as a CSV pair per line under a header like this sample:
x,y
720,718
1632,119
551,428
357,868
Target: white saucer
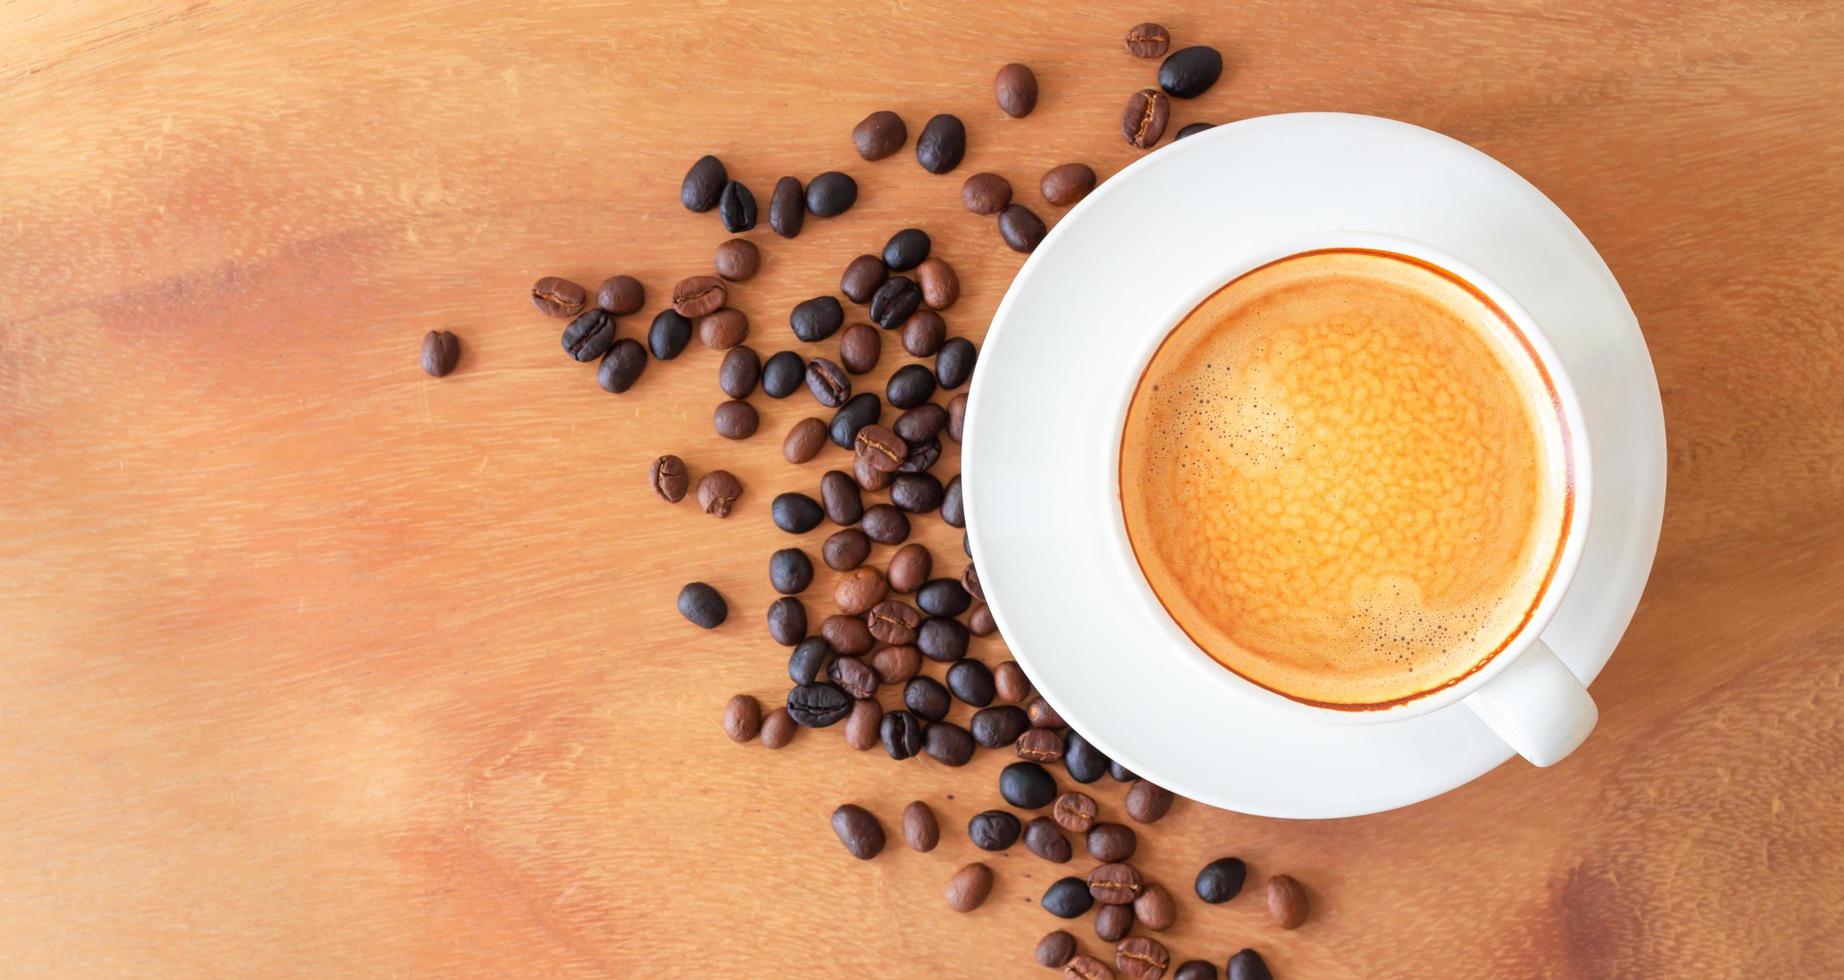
x,y
1186,218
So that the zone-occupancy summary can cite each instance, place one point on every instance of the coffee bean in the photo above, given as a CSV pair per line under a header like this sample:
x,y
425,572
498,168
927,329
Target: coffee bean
x,y
862,277
1148,40
939,283
921,457
920,831
911,385
796,513
778,728
861,410
970,580
1066,184
894,301
906,249
942,144
1189,72
957,414
739,372
703,184
736,419
1286,902
861,726
702,606
1043,715
723,329
1155,908
943,641
879,134
923,333
1083,760
1115,884
1120,773
892,621
440,353
1248,965
916,493
1113,922
968,889
921,423
669,478
1020,228
717,492
696,296
858,590
787,621
926,697
839,498
1067,898
790,571
879,448
909,568
858,830
853,676
993,830
1192,129
954,363
1141,958
818,705
782,374
668,335
1010,678
831,194
1016,89
742,718
1196,970
902,735
621,366
737,207
985,193
896,665
948,744
1220,880
620,295
846,550
1043,839
1040,745
859,348
847,634
980,621
816,319
871,480
1056,948
885,524
943,597
998,726
590,335
558,297
953,507
971,682
738,259
1026,785
828,382
787,207
1111,842
1143,121
1146,803
1074,812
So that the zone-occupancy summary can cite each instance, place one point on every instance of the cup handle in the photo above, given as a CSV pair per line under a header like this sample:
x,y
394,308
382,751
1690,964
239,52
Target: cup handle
x,y
1537,706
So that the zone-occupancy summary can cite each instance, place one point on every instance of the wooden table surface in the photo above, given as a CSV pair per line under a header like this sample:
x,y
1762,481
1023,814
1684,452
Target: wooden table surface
x,y
312,665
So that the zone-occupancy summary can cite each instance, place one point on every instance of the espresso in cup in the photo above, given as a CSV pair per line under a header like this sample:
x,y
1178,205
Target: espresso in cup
x,y
1347,477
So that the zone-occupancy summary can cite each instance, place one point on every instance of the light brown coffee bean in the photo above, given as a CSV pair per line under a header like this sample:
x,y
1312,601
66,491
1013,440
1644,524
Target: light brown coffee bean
x,y
778,728
1148,40
1043,715
923,333
738,260
1041,745
897,664
858,590
1068,183
980,621
940,285
1115,884
559,297
1142,122
696,296
1111,843
1086,967
742,718
718,491
1155,908
920,830
1113,922
723,329
860,347
847,634
968,889
986,193
861,724
669,478
1008,678
1016,89
1074,812
869,478
1287,904
441,352
910,567
620,295
736,419
1146,802
1055,949
804,440
1141,958
957,414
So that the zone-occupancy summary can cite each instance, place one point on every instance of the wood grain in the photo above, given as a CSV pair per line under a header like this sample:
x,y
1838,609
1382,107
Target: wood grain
x,y
312,665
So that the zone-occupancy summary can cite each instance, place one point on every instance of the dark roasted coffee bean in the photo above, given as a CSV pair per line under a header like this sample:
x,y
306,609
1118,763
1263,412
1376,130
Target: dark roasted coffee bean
x,y
742,718
1248,965
871,480
896,665
818,705
862,277
738,259
1066,184
926,697
970,580
901,733
739,372
736,419
1043,715
810,660
669,478
894,622
1189,72
723,329
790,571
702,606
948,744
1067,898
831,194
1040,745
921,457
856,591
993,830
1083,760
787,621
1111,842
1113,922
1026,785
853,676
1010,680
782,374
620,295
911,385
839,498
944,597
921,423
1016,89
441,352
590,335
737,207
861,410
943,641
1155,908
847,634
916,493
939,283
1074,812
968,889
816,319
942,144
846,550
1148,40
1141,958
828,382
796,513
954,363
703,184
885,524
923,333
998,726
1192,129
558,297
696,296
1196,970
894,301
906,249
717,492
953,508
971,682
668,335
909,567
861,726
805,440
858,830
1119,773
1220,880
778,728
860,346
986,193
879,134
879,448
1020,228
1146,802
787,207
1055,949
957,414
920,831
1286,902
1143,121
1046,841
1115,884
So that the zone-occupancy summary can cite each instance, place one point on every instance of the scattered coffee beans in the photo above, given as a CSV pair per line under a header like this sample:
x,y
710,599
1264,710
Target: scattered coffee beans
x,y
862,410
923,333
971,682
738,259
942,144
796,513
993,830
787,621
847,634
1027,785
897,664
1142,123
831,194
1086,967
816,319
879,134
621,366
669,478
723,329
739,372
893,621
1248,965
861,726
998,726
1021,229
846,549
778,728
703,184
942,640
1115,884
1043,715
790,571
1067,898
879,448
1040,745
1142,958
939,283
1111,842
620,295
858,830
589,335
985,193
810,661
717,492
1155,908
1083,760
954,363
742,718
968,889
839,498
736,419
957,413
909,567
787,207
902,735
554,296
1146,803
858,590
906,249
1220,880
926,697
885,524
1286,902
862,277
696,296
1066,184
853,676
669,335
922,423
702,606
1189,72
1113,922
911,385
1192,129
916,493
1074,812
1056,948
953,505
782,374
970,580
1043,839
860,346
920,831
980,621
1148,40
1016,89
948,744
441,352
894,301
818,705
737,207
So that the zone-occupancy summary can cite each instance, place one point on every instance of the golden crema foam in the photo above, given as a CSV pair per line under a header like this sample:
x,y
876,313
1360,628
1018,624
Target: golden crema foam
x,y
1345,474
